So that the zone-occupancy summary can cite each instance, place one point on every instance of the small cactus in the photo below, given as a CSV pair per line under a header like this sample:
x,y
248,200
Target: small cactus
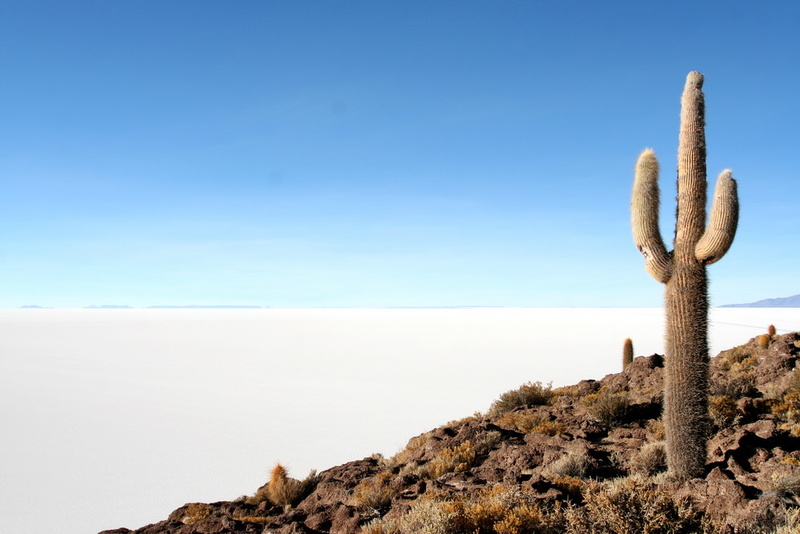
x,y
683,270
771,330
627,353
763,341
283,490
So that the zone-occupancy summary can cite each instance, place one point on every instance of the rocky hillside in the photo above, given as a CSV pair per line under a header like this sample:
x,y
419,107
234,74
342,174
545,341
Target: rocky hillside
x,y
583,458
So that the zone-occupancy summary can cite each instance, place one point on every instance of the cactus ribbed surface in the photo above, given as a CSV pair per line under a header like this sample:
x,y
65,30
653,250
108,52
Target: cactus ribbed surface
x,y
627,353
684,272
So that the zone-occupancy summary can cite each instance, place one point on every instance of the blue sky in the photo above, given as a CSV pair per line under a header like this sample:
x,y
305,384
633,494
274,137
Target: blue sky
x,y
363,153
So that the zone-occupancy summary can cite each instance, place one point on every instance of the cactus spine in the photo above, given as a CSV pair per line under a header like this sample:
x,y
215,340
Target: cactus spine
x,y
684,272
627,353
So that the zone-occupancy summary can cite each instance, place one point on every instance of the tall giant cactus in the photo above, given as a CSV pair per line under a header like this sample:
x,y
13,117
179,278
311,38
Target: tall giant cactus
x,y
684,272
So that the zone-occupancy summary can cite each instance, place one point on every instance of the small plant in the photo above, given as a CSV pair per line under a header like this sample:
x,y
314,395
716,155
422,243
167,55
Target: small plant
x,y
566,391
461,457
573,464
650,459
606,406
633,504
374,492
786,483
196,512
788,407
529,394
549,428
763,341
627,353
656,428
771,330
282,490
722,410
524,421
451,460
413,445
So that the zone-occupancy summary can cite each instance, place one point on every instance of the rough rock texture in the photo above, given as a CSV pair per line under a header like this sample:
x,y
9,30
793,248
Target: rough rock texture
x,y
752,473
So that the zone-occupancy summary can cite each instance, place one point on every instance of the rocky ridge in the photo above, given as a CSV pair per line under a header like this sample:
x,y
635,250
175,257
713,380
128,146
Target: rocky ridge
x,y
559,451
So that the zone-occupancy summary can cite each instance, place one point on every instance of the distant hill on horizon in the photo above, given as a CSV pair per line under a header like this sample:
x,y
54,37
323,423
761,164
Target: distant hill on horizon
x,y
785,302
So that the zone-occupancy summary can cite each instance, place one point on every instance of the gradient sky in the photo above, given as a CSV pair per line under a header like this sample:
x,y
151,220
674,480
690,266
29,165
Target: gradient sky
x,y
362,153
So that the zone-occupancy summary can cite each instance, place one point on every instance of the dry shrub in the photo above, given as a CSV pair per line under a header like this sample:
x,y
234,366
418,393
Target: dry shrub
x,y
792,523
524,421
414,444
426,516
787,484
788,406
461,457
656,428
374,492
531,422
650,459
573,464
529,394
495,510
450,460
735,383
606,406
196,512
550,428
282,490
567,391
572,486
722,410
632,505
734,356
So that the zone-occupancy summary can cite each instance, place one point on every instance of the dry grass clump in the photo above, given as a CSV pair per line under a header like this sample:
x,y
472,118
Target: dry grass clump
x,y
792,524
788,406
632,505
529,394
722,410
281,490
196,512
531,422
573,464
459,458
496,510
650,459
608,407
786,483
374,492
656,428
567,391
414,444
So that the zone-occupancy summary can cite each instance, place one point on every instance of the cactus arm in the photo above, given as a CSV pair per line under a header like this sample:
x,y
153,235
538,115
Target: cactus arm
x,y
724,218
644,218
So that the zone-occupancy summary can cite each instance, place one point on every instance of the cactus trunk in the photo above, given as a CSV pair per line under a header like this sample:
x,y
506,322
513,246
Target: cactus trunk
x,y
686,378
684,272
627,353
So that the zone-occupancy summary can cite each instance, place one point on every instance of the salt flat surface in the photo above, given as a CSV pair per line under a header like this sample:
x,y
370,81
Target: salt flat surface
x,y
116,417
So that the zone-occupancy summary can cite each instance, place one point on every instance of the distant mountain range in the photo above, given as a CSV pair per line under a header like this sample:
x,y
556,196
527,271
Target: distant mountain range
x,y
785,302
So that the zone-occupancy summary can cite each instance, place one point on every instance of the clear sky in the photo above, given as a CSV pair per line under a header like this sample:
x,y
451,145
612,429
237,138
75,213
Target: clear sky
x,y
364,153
